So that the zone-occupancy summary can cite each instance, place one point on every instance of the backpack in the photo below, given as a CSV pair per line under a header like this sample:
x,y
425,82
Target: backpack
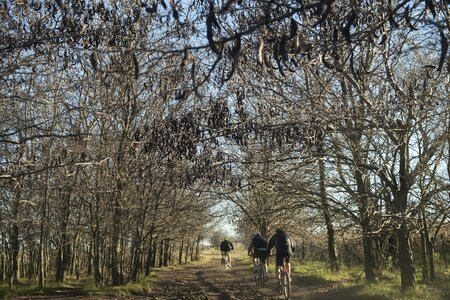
x,y
259,242
225,246
283,244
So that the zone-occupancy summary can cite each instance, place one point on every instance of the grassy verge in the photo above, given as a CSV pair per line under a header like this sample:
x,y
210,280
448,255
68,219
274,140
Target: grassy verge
x,y
141,287
351,283
30,287
86,285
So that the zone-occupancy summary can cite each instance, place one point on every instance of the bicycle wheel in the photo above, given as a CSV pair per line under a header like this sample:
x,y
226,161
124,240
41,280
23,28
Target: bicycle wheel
x,y
281,281
288,286
285,284
256,275
262,276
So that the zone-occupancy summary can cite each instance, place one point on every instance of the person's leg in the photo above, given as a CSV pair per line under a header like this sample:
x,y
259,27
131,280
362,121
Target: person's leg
x,y
264,262
288,265
278,264
257,255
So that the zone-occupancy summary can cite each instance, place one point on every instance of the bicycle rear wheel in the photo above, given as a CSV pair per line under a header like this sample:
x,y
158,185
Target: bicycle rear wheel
x,y
285,284
288,286
258,272
261,275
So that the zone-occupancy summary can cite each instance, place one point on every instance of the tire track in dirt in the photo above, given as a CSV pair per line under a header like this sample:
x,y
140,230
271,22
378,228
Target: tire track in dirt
x,y
209,280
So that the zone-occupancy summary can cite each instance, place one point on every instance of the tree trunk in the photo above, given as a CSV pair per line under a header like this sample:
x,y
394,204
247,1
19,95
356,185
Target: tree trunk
x,y
96,260
186,253
430,251
115,247
155,248
429,247
197,248
136,262
444,252
149,263
2,260
89,259
369,257
161,254
15,247
192,250
30,266
136,257
63,255
405,262
77,257
180,252
15,243
327,217
423,252
121,258
42,230
59,261
166,255
42,263
22,264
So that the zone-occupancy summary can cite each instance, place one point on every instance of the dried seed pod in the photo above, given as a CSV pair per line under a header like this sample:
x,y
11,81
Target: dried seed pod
x,y
346,29
293,28
93,59
444,49
136,66
261,52
210,21
430,6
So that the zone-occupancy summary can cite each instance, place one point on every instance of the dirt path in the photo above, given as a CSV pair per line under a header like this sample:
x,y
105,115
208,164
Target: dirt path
x,y
210,281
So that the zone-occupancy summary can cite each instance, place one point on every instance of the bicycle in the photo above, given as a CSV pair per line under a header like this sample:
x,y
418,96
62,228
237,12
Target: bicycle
x,y
260,275
285,280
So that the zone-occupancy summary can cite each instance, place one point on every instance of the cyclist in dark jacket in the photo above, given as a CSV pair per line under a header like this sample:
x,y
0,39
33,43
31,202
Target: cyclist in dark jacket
x,y
285,248
225,247
258,249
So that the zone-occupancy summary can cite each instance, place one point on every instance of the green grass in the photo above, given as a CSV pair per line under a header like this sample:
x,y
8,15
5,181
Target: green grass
x,y
84,286
142,286
30,287
319,270
351,283
390,289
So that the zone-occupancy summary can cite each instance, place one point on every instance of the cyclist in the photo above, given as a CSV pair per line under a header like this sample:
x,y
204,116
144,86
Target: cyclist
x,y
285,247
225,247
258,247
